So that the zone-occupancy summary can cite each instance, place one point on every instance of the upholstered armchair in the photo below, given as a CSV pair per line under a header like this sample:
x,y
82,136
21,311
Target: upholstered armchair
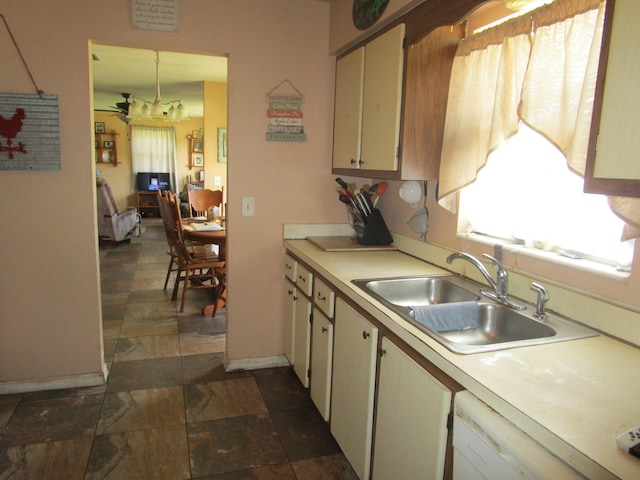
x,y
113,225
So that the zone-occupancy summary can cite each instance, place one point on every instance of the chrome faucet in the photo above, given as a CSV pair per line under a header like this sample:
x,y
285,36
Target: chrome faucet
x,y
500,285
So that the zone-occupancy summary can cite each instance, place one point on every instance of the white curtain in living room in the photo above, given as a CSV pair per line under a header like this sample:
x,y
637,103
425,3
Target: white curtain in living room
x,y
153,149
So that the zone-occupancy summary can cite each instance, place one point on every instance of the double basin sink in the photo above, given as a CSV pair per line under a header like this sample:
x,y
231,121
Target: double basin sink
x,y
498,327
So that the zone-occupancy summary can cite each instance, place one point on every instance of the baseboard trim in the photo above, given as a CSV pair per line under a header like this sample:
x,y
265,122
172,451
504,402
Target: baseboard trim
x,y
58,383
256,363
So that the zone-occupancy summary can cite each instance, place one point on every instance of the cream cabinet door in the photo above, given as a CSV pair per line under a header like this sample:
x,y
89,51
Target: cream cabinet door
x,y
321,362
352,389
302,338
290,293
382,101
348,110
411,419
612,163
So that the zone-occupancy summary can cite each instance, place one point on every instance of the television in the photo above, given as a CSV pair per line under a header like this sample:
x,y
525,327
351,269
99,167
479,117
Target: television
x,y
152,181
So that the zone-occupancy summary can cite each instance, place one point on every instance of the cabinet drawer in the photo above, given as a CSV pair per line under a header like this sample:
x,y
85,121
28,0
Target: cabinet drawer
x,y
324,298
304,280
290,267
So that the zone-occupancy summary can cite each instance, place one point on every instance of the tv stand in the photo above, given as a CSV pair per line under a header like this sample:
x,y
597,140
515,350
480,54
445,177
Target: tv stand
x,y
148,204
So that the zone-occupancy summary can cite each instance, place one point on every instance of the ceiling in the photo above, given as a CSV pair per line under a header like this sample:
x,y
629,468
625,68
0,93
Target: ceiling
x,y
118,70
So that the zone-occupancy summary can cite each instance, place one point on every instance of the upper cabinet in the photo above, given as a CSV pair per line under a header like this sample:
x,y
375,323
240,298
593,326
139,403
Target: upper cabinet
x,y
347,127
612,162
373,111
368,104
384,59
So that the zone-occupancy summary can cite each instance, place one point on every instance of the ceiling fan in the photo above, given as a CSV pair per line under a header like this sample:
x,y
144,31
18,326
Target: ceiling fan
x,y
121,109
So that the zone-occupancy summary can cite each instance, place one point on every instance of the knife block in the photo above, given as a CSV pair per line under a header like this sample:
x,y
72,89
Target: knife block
x,y
371,229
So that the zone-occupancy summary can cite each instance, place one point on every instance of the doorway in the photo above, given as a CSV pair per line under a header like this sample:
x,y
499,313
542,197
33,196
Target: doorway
x,y
120,76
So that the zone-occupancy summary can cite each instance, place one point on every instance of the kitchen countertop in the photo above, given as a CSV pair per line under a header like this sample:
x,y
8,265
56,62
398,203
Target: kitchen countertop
x,y
573,397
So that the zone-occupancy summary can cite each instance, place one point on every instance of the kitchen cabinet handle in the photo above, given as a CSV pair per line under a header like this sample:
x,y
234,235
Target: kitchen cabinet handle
x,y
290,292
365,334
321,298
352,162
324,330
287,267
300,277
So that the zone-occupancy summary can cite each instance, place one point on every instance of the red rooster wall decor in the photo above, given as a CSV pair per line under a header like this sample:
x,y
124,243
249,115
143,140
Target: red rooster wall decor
x,y
9,129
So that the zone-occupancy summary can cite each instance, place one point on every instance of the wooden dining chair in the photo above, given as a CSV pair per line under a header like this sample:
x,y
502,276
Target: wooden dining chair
x,y
201,199
193,271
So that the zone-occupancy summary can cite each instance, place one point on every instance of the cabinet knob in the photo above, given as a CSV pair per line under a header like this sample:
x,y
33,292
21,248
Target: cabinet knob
x,y
353,162
301,278
365,334
290,292
321,298
324,330
287,267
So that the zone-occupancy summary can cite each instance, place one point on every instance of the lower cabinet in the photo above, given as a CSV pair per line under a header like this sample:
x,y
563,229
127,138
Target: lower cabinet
x,y
411,419
302,337
387,406
289,311
321,362
354,371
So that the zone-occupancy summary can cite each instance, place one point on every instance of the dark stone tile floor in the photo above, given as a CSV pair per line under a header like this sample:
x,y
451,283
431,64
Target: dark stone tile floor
x,y
169,410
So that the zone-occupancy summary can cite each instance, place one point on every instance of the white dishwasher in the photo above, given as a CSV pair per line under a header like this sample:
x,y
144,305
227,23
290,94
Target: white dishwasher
x,y
487,446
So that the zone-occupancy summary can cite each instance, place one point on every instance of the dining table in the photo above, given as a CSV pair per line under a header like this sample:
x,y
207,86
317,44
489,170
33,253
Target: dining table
x,y
198,233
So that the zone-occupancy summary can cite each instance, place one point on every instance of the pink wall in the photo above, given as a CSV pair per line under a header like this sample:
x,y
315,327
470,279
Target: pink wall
x,y
49,284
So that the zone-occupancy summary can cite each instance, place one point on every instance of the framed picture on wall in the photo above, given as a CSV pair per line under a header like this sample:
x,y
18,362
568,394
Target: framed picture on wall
x,y
197,159
99,127
198,145
222,145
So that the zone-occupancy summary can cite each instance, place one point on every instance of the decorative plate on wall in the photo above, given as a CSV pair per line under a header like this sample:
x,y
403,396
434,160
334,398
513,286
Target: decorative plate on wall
x,y
367,12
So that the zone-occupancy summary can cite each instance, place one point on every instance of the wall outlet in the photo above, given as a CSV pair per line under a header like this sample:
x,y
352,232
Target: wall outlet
x,y
217,180
248,206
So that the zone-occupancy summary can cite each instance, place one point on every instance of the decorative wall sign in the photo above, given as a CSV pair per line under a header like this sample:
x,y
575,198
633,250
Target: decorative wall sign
x,y
155,15
367,12
285,114
29,132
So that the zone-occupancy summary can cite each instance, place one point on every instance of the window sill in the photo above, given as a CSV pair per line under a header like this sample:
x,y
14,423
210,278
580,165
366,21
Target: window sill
x,y
551,257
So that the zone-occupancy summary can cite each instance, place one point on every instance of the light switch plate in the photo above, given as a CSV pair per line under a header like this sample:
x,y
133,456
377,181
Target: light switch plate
x,y
248,206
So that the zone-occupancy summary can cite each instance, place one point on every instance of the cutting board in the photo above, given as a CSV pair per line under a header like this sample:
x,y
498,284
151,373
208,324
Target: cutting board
x,y
345,244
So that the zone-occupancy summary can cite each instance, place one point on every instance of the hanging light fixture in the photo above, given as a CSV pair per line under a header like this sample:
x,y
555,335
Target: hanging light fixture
x,y
155,109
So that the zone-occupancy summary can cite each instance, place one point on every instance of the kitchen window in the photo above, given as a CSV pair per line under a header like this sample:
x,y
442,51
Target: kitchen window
x,y
525,194
516,135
